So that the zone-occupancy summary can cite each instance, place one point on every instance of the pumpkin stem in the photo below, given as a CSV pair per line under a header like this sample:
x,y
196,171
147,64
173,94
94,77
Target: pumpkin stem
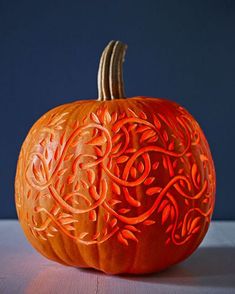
x,y
110,77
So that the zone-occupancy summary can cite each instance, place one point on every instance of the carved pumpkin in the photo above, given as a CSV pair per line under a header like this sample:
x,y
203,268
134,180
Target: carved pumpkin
x,y
119,185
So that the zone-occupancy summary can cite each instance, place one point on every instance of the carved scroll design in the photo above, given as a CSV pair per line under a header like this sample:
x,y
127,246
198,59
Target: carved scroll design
x,y
109,148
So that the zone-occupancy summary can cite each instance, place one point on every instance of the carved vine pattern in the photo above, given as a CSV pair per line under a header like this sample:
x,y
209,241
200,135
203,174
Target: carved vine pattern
x,y
109,148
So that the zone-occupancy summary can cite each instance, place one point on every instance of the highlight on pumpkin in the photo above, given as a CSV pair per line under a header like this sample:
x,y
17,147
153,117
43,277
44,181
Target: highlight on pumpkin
x,y
119,185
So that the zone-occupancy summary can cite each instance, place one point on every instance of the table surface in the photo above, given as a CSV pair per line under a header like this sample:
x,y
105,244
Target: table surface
x,y
211,269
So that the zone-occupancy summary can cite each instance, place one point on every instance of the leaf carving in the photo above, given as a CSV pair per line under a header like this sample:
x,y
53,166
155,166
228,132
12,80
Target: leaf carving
x,y
146,135
61,172
129,235
194,223
62,138
115,188
83,235
153,139
162,205
28,194
168,241
130,150
121,239
100,140
122,159
46,153
132,112
53,229
170,227
93,192
91,176
67,220
113,222
153,190
113,202
69,228
116,148
70,179
171,146
132,228
133,172
84,184
198,179
98,151
56,154
77,186
96,236
131,127
68,157
155,165
149,181
140,167
95,118
58,128
142,115
156,122
186,201
122,115
142,129
124,210
194,231
117,170
92,215
164,162
149,222
116,138
166,213
194,174
165,135
114,117
50,164
107,117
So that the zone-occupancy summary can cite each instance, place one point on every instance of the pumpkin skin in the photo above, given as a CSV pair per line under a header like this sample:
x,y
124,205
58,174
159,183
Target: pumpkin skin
x,y
122,186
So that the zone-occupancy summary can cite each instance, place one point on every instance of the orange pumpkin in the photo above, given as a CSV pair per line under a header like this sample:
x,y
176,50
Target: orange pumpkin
x,y
119,185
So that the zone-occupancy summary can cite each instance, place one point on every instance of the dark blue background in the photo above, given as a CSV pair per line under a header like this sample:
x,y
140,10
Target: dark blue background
x,y
183,50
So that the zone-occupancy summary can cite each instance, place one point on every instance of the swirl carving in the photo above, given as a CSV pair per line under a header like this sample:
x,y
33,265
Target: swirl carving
x,y
95,166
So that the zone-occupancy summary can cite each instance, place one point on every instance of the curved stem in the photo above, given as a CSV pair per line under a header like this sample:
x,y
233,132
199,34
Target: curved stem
x,y
110,76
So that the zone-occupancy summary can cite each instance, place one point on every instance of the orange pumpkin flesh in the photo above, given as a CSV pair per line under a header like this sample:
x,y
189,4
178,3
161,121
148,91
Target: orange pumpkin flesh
x,y
119,185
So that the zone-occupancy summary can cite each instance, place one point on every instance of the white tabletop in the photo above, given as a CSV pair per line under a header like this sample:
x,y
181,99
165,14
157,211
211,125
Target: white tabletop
x,y
211,269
